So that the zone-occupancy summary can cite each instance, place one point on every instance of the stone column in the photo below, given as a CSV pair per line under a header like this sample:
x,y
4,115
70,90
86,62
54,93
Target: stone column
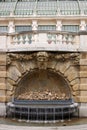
x,y
11,27
34,25
82,25
58,25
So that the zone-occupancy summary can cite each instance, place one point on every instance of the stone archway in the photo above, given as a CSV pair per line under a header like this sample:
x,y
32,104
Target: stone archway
x,y
42,85
64,64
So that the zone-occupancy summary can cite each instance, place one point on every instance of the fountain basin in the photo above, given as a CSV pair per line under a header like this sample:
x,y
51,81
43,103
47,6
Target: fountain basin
x,y
41,109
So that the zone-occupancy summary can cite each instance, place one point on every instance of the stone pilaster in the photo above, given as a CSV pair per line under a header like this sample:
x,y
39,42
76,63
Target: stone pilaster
x,y
11,27
2,84
83,84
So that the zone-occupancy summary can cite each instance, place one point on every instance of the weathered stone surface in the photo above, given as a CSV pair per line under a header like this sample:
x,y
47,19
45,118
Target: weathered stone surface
x,y
75,93
83,93
83,99
83,74
2,58
83,80
2,109
9,86
2,80
13,73
83,68
72,76
10,81
44,95
76,99
2,92
83,87
83,55
9,93
83,61
9,98
2,74
2,68
52,64
76,87
83,110
2,98
2,86
74,81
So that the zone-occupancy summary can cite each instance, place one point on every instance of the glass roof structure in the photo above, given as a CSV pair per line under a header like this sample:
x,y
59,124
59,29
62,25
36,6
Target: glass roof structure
x,y
43,7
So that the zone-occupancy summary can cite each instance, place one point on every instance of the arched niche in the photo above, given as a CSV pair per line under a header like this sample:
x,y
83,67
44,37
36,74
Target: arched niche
x,y
42,85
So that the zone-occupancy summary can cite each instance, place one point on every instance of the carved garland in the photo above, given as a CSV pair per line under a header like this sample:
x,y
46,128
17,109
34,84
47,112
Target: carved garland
x,y
43,57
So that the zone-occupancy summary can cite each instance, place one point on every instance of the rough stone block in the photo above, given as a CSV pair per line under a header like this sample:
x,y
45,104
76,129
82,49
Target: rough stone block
x,y
3,68
83,61
2,74
83,93
83,80
83,74
2,86
2,92
9,86
83,99
2,59
83,55
75,81
9,93
83,87
71,73
2,98
76,87
72,76
83,68
13,73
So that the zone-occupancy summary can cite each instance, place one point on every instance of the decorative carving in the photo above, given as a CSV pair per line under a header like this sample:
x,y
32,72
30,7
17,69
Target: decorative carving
x,y
34,25
83,26
43,95
20,57
73,57
41,61
42,58
11,27
58,26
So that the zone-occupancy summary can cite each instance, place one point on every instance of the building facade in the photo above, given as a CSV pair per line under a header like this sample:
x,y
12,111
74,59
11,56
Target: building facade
x,y
43,51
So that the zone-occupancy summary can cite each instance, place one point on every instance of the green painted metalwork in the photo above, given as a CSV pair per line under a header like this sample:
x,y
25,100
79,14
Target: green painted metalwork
x,y
43,7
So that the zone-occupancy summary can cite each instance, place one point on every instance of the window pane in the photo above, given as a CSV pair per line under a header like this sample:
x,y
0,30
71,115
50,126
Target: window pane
x,y
3,28
47,27
23,28
70,28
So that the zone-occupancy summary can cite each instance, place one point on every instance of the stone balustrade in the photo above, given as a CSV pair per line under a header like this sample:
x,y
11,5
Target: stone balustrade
x,y
49,41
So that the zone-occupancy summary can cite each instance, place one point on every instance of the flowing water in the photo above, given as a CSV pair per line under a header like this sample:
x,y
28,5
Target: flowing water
x,y
73,121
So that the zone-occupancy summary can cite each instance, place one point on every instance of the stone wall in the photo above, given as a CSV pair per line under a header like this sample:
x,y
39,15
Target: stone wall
x,y
71,66
83,84
2,84
64,64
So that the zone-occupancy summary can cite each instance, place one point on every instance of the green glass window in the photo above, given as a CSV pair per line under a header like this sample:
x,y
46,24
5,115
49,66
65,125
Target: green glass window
x,y
70,28
23,28
3,28
47,27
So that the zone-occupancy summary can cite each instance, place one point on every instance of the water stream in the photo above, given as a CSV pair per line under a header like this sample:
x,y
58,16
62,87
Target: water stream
x,y
73,121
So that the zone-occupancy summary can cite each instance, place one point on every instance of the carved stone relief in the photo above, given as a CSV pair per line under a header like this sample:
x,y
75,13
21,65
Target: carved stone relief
x,y
64,64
